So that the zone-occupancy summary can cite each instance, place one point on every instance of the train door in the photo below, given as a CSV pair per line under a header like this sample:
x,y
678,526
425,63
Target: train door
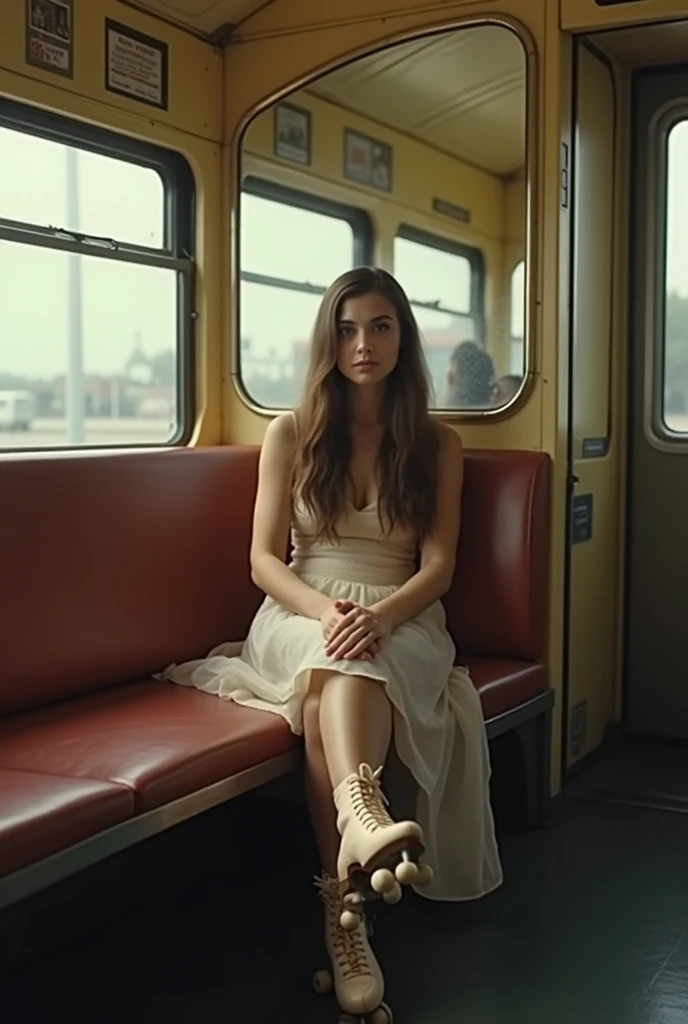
x,y
656,663
594,455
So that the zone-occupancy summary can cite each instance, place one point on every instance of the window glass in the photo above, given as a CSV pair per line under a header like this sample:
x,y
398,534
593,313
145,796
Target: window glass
x,y
675,381
51,184
432,275
299,246
439,286
102,326
290,255
90,343
518,322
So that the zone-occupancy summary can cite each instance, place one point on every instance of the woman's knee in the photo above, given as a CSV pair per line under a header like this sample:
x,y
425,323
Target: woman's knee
x,y
355,689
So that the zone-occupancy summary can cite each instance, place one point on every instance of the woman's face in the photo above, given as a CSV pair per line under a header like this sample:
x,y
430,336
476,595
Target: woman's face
x,y
369,337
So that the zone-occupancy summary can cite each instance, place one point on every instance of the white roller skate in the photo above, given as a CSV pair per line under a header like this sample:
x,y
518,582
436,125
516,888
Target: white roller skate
x,y
356,976
377,855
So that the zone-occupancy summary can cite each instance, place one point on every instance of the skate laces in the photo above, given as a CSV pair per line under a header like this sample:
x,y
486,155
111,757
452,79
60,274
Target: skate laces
x,y
368,800
348,948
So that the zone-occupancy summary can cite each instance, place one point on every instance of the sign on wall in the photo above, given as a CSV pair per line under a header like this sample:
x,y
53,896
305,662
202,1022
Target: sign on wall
x,y
136,65
367,161
459,213
293,133
50,36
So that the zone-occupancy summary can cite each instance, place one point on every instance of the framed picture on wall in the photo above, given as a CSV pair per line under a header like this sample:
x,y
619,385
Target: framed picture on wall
x,y
367,161
50,36
293,133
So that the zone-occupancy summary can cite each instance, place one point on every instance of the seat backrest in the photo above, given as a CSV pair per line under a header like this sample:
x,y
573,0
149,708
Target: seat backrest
x,y
115,565
497,604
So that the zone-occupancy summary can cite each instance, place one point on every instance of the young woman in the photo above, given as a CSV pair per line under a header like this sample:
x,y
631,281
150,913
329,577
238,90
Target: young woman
x,y
350,644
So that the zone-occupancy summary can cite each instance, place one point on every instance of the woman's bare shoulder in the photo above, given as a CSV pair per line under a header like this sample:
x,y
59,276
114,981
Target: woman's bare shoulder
x,y
281,433
450,443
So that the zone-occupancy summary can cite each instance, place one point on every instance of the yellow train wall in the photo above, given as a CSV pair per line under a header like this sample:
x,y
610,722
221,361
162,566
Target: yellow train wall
x,y
214,94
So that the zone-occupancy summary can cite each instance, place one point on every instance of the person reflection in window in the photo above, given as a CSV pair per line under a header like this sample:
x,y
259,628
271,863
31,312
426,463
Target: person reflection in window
x,y
470,378
505,389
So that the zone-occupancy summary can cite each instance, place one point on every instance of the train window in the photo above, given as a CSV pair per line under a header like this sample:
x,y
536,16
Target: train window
x,y
292,247
95,242
517,317
445,283
674,390
114,198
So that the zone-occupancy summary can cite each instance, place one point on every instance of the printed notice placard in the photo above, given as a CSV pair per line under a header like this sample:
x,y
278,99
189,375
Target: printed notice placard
x,y
135,65
50,35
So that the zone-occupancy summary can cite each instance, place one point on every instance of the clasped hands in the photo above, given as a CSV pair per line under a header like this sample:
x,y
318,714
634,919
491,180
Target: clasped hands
x,y
352,631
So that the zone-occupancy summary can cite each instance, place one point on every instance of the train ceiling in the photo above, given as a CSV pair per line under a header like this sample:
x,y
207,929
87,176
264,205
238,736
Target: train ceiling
x,y
204,17
463,92
643,45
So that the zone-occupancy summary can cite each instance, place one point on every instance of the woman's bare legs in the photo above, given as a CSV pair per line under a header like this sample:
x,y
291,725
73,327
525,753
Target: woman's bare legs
x,y
357,978
348,730
347,721
318,787
355,724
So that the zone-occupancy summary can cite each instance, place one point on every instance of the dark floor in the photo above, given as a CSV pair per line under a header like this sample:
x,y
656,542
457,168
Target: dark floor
x,y
211,924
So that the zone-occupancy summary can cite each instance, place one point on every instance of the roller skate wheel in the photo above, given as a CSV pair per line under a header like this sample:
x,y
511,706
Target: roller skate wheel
x,y
383,1015
394,894
322,982
353,901
406,872
349,921
382,881
425,875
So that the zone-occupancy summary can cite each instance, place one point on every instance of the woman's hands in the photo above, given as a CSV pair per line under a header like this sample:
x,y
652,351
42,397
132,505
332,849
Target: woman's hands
x,y
352,631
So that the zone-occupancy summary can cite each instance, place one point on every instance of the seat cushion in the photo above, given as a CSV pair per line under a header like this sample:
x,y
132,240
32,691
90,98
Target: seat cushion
x,y
160,740
505,685
42,814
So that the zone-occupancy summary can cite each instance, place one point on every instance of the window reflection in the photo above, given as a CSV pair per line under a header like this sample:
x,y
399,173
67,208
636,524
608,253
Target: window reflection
x,y
674,412
281,288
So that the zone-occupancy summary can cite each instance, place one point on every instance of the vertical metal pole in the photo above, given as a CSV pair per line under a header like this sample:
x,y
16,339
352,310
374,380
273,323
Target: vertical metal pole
x,y
75,371
114,397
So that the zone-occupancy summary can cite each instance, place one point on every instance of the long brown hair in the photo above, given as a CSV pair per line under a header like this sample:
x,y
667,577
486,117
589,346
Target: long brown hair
x,y
407,459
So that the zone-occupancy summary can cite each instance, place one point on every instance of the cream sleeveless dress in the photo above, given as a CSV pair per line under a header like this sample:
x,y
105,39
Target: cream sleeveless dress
x,y
439,733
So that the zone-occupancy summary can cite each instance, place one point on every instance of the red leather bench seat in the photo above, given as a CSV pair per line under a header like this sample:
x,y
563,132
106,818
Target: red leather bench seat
x,y
497,606
504,685
41,814
116,565
158,740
